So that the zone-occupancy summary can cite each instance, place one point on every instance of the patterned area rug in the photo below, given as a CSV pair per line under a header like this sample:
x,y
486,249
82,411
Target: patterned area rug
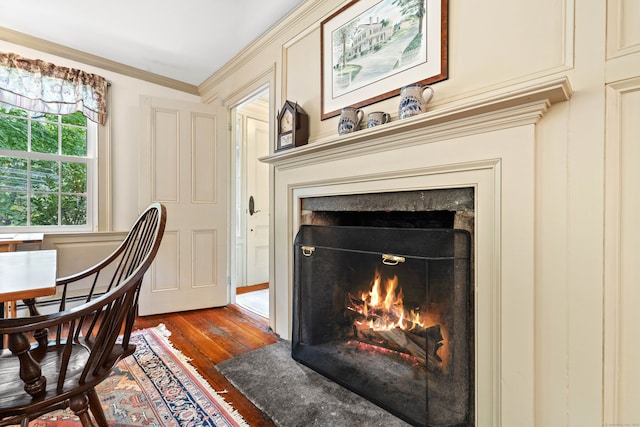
x,y
156,387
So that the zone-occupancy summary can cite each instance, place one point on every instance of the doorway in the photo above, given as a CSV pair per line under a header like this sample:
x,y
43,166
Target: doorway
x,y
252,204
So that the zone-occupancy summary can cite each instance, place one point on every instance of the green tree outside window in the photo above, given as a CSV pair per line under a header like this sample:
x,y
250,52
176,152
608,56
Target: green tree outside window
x,y
43,169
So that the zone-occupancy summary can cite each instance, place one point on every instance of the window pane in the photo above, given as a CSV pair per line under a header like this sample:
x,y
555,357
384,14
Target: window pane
x,y
74,177
74,141
74,210
13,208
44,137
14,173
44,175
44,209
44,168
13,133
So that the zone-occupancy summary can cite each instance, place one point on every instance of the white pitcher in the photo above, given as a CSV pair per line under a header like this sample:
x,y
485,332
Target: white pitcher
x,y
414,99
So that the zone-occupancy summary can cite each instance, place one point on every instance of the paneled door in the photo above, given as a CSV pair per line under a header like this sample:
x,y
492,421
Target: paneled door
x,y
258,194
183,167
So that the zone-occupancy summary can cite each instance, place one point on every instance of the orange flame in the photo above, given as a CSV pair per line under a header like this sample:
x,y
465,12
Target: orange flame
x,y
385,308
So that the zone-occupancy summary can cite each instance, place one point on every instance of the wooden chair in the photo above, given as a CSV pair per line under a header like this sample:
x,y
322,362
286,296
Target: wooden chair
x,y
56,360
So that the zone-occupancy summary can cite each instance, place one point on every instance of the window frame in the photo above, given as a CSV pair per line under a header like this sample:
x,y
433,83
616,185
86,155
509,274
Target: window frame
x,y
92,184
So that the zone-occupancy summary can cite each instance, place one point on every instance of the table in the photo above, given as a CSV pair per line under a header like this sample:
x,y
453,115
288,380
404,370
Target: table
x,y
25,275
9,242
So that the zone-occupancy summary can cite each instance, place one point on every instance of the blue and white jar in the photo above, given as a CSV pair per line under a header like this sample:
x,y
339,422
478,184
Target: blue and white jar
x,y
378,118
350,118
414,99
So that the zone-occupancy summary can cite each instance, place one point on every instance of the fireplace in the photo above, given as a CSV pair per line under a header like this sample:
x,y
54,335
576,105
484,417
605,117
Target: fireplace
x,y
488,141
383,301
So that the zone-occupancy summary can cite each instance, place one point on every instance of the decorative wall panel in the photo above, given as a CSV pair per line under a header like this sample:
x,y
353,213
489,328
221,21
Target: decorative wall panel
x,y
166,267
622,246
623,27
79,252
203,154
165,155
204,255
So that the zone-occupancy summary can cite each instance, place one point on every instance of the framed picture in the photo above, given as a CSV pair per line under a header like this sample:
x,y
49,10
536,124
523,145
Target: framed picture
x,y
370,49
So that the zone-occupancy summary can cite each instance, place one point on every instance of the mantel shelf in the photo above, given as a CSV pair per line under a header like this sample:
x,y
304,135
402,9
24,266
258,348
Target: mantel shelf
x,y
531,101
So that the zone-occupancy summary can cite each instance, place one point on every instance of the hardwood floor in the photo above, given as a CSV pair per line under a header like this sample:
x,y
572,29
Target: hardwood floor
x,y
251,288
211,336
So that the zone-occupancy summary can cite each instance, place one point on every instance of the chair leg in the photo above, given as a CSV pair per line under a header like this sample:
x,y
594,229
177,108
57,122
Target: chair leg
x,y
79,404
96,408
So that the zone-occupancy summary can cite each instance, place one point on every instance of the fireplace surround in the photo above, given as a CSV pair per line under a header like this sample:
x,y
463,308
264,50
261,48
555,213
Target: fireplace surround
x,y
487,143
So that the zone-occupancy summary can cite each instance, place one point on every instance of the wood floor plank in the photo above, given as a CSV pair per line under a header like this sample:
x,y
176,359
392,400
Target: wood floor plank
x,y
214,347
242,336
208,337
252,288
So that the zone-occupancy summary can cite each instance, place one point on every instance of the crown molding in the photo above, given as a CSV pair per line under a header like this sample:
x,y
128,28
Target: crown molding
x,y
46,46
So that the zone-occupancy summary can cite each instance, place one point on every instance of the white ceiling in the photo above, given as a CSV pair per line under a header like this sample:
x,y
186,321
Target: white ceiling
x,y
184,40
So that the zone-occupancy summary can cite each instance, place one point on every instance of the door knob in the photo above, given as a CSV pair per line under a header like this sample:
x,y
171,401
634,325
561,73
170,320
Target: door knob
x,y
252,206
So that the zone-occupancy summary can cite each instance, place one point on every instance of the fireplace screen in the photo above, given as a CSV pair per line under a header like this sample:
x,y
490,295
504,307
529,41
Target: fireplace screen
x,y
386,313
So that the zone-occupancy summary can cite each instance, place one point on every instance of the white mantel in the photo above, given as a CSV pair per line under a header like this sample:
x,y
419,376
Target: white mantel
x,y
504,109
488,144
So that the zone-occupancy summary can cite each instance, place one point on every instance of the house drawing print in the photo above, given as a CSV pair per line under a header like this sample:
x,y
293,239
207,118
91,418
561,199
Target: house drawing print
x,y
386,39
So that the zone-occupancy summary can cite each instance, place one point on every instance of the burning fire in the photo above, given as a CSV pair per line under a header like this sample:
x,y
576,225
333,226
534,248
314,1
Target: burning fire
x,y
380,318
383,310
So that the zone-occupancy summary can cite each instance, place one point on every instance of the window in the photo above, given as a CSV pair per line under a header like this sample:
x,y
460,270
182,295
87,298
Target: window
x,y
48,171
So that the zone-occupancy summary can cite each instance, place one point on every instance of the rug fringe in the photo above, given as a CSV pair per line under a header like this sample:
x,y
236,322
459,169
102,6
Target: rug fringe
x,y
163,333
162,330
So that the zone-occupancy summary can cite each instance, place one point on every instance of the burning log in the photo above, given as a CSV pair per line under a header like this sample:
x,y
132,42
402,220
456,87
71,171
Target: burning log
x,y
353,318
429,338
422,348
364,313
375,326
394,339
378,317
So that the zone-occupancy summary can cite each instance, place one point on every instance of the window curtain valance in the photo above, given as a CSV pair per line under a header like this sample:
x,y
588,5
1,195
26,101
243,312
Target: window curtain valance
x,y
36,85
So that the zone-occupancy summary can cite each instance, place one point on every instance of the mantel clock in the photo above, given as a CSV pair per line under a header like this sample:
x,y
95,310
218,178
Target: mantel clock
x,y
293,126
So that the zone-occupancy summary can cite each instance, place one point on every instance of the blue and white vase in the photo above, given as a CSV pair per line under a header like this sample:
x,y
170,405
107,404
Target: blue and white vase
x,y
413,100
